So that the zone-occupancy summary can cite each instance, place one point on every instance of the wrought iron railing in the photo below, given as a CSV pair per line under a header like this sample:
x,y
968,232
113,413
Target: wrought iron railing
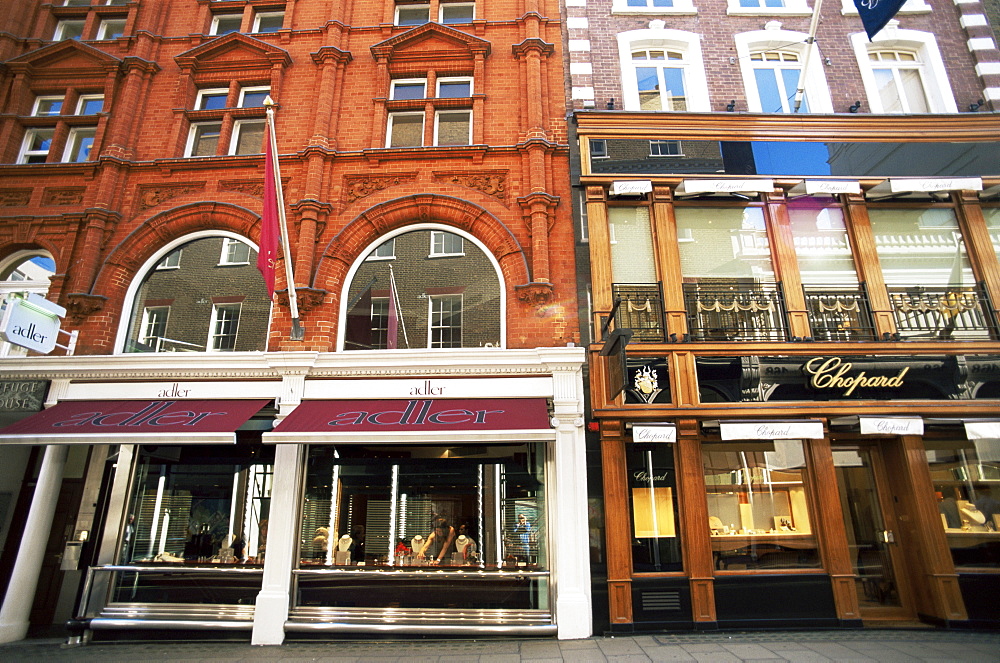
x,y
641,310
959,313
737,312
839,315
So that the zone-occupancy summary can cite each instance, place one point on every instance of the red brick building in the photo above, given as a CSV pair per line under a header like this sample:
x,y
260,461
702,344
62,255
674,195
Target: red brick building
x,y
130,136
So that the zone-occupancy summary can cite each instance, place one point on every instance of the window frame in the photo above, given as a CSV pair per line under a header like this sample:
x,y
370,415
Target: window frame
x,y
598,148
252,89
257,16
74,145
679,7
452,80
391,123
48,97
937,85
687,43
226,257
168,263
406,82
213,330
143,335
84,99
62,24
211,92
431,327
191,141
817,89
234,138
788,8
450,5
452,111
213,28
374,254
442,236
25,154
405,6
104,23
677,143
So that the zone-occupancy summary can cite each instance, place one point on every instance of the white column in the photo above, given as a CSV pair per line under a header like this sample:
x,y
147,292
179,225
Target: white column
x,y
271,609
24,579
570,561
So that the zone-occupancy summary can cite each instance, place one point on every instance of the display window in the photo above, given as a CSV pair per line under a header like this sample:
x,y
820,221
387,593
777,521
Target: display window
x,y
656,544
196,506
422,526
758,505
966,477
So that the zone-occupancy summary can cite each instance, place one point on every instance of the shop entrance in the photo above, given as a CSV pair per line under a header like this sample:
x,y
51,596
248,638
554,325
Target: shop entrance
x,y
867,506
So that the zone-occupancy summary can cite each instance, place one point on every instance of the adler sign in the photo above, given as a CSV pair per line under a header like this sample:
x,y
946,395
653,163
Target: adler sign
x,y
31,323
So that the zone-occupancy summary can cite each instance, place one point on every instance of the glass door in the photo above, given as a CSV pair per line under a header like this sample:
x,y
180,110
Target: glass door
x,y
868,516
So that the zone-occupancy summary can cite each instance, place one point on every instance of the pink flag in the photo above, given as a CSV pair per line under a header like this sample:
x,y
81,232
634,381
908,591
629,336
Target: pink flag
x,y
267,257
392,332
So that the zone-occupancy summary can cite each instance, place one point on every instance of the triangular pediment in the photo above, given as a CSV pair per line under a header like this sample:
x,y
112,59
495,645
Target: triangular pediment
x,y
232,50
69,57
430,41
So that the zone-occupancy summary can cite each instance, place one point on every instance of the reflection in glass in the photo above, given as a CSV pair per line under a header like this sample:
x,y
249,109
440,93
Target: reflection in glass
x,y
758,505
966,476
213,304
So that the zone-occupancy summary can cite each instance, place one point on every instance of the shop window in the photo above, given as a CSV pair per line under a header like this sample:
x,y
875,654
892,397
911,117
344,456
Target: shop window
x,y
225,327
203,139
454,508
196,504
992,216
409,15
656,543
36,145
456,12
268,21
405,130
90,104
426,301
758,505
248,137
79,144
446,244
903,72
445,321
223,24
662,70
453,127
154,326
211,308
68,29
47,106
111,28
234,252
966,477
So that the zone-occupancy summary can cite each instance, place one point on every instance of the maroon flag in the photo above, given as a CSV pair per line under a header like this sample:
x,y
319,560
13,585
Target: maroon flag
x,y
267,257
392,333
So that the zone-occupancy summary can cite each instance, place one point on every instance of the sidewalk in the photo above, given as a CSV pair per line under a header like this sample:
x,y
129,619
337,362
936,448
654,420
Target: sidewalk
x,y
854,645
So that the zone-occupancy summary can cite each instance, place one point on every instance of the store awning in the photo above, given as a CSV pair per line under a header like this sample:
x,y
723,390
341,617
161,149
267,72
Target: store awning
x,y
134,422
416,420
755,185
891,425
982,429
897,185
832,187
788,429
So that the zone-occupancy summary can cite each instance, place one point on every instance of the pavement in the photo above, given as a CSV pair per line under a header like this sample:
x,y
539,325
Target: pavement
x,y
882,645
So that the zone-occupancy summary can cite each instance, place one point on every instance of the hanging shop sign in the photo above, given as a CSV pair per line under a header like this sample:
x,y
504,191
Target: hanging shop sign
x,y
835,373
630,187
31,322
891,425
808,429
666,433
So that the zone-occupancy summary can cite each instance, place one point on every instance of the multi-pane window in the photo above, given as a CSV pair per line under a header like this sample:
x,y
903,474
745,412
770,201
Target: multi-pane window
x,y
453,127
457,12
79,144
223,24
405,130
89,104
412,14
598,148
47,106
776,74
171,261
225,325
384,251
445,321
68,29
268,21
660,78
664,148
380,323
234,252
899,78
248,137
37,143
446,244
203,141
154,325
111,28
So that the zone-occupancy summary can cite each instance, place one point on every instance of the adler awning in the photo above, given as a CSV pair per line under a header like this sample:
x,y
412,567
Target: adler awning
x,y
134,422
416,420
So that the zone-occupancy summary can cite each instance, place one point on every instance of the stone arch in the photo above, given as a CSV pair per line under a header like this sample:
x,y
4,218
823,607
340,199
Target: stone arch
x,y
346,247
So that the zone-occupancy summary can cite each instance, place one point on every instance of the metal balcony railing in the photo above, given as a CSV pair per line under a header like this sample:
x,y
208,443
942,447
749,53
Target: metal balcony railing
x,y
948,313
839,315
641,310
737,312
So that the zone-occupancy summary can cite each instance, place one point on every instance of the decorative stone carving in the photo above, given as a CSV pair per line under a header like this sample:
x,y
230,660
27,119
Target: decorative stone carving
x,y
81,305
153,195
251,188
307,298
491,183
68,196
535,294
14,197
356,187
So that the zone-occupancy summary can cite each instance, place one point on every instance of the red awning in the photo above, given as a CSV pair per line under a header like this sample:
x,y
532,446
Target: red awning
x,y
134,422
415,420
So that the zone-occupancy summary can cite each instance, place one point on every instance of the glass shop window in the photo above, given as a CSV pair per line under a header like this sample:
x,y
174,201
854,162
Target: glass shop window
x,y
656,544
196,504
966,477
758,506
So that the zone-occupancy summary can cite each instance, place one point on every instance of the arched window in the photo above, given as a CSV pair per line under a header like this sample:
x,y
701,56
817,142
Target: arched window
x,y
662,70
423,287
777,76
903,72
771,61
201,294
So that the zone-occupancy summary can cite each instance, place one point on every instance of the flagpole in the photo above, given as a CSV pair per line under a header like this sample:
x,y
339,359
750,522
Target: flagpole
x,y
298,333
810,43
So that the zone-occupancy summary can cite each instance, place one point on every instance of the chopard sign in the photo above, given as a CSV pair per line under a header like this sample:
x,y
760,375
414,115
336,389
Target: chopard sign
x,y
834,373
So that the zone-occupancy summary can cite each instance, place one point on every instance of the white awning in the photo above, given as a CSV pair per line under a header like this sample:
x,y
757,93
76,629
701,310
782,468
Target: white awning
x,y
927,184
654,433
813,187
789,429
756,185
982,430
630,187
891,425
